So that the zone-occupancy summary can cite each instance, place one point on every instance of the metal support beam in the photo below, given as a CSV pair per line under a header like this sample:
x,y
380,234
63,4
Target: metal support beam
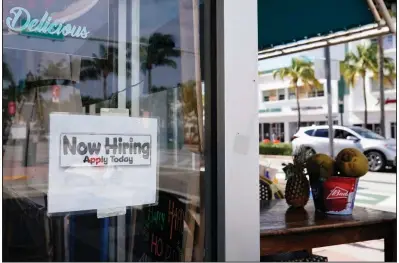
x,y
385,14
329,100
320,42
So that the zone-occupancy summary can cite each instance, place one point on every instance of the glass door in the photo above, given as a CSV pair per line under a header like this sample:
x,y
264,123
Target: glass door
x,y
103,130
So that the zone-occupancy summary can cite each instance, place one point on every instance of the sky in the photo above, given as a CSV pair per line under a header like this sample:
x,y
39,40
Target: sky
x,y
337,53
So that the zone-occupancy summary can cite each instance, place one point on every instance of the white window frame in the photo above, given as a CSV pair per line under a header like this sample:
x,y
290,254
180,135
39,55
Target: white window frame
x,y
238,152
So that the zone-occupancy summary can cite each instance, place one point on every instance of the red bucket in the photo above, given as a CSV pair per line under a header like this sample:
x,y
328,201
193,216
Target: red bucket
x,y
336,195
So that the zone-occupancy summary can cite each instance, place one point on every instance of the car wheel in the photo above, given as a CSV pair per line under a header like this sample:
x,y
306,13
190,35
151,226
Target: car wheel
x,y
376,161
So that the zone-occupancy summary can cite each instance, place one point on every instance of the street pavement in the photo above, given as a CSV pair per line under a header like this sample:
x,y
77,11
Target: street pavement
x,y
375,190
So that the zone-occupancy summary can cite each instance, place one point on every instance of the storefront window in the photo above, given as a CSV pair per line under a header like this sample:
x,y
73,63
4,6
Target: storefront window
x,y
102,130
266,131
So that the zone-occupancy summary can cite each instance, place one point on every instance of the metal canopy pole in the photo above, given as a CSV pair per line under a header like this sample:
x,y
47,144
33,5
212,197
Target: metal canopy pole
x,y
329,101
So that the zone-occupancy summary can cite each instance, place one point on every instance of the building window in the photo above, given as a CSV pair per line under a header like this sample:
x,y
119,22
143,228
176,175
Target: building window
x,y
291,94
316,92
393,130
273,131
375,85
277,132
266,131
281,94
313,93
389,41
271,95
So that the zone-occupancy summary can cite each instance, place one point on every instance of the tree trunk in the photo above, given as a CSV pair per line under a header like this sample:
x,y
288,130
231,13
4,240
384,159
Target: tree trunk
x,y
365,101
149,103
105,87
298,106
381,80
149,76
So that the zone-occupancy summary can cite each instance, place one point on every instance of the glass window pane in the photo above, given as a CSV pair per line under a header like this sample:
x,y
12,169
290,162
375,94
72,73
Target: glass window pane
x,y
309,132
281,94
321,133
341,134
118,90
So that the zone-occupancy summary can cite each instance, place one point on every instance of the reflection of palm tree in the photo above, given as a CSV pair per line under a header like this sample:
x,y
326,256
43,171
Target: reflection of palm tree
x,y
188,96
190,110
7,74
55,69
158,50
87,100
100,67
158,89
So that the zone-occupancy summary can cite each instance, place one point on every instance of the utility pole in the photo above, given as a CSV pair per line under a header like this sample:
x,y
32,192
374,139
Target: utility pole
x,y
329,101
381,84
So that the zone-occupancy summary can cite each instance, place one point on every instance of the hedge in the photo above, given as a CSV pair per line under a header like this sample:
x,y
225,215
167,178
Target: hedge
x,y
275,149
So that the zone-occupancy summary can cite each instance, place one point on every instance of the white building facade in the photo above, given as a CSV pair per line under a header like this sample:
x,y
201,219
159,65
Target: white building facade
x,y
278,115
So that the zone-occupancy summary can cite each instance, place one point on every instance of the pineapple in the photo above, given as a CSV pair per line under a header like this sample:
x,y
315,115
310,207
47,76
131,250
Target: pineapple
x,y
297,188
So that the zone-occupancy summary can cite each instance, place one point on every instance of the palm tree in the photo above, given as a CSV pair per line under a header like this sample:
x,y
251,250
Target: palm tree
x,y
100,67
7,74
357,64
158,51
386,74
300,71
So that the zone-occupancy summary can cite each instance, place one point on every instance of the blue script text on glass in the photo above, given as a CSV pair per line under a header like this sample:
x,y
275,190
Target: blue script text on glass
x,y
44,26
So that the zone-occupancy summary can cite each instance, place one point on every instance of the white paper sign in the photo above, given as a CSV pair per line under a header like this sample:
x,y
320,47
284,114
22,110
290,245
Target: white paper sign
x,y
101,162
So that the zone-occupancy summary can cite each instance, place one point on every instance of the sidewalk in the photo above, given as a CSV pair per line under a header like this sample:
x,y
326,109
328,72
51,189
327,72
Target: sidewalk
x,y
363,251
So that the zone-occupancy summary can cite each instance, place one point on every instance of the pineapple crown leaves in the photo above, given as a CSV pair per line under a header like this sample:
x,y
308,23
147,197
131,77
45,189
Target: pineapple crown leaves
x,y
297,168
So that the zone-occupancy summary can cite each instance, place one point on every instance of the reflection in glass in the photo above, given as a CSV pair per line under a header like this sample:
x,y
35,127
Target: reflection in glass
x,y
147,59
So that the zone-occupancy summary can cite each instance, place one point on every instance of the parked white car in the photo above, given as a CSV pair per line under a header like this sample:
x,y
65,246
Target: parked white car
x,y
380,152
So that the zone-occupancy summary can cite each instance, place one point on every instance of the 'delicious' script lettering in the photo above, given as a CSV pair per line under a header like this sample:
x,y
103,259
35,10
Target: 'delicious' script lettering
x,y
20,20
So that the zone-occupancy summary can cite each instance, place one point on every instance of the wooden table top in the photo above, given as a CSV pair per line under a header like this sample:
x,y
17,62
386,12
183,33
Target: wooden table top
x,y
276,219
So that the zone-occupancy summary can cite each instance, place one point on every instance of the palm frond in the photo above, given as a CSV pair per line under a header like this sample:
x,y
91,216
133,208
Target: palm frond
x,y
282,73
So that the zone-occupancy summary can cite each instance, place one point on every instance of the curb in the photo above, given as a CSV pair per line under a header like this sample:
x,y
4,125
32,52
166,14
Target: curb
x,y
285,157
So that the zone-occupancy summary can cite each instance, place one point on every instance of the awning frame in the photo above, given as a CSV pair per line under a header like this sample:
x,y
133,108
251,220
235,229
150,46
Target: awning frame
x,y
383,26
